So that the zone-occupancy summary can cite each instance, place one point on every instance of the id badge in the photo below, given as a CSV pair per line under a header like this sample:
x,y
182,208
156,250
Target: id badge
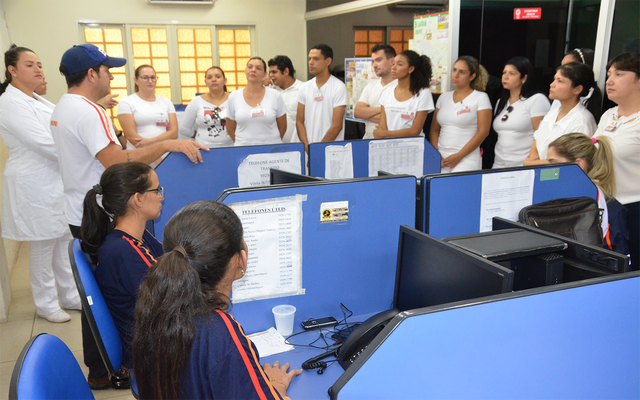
x,y
407,115
318,97
610,128
257,112
462,109
162,120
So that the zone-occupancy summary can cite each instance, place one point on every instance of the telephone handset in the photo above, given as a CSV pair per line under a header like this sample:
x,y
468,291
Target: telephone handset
x,y
360,338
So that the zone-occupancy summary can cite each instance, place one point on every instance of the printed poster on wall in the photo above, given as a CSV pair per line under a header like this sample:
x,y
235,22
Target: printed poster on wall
x,y
431,38
358,73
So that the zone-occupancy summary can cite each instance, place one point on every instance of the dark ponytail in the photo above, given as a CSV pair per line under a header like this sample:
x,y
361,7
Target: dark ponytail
x,y
200,241
117,184
11,57
421,75
582,74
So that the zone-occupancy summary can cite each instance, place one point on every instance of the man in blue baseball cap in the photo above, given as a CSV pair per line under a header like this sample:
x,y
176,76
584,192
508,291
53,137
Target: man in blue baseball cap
x,y
86,143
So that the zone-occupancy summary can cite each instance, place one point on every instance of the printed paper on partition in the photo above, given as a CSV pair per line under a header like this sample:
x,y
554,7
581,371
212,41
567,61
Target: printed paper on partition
x,y
273,232
338,162
254,170
397,156
504,194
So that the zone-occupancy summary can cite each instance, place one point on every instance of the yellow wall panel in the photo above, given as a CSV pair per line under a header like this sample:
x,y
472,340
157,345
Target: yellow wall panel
x,y
139,35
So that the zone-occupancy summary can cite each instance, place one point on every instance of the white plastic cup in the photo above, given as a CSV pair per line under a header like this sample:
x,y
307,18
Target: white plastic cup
x,y
283,315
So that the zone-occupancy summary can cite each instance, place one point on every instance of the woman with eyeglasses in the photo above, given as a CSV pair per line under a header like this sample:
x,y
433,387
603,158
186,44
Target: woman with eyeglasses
x,y
257,114
113,233
462,118
205,118
570,82
518,113
147,118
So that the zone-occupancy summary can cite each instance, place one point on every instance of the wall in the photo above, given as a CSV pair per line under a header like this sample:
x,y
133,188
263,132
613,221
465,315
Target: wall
x,y
50,27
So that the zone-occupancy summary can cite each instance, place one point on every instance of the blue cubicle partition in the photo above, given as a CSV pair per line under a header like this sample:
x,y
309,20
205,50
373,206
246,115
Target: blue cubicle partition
x,y
353,262
451,202
360,150
570,341
185,182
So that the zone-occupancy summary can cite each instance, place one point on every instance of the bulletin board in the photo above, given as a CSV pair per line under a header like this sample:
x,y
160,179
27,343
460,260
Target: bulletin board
x,y
431,38
359,72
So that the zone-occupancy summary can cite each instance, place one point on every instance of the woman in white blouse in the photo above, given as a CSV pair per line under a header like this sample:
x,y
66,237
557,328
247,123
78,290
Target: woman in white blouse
x,y
145,117
462,118
518,113
205,116
570,82
404,109
33,193
256,114
622,125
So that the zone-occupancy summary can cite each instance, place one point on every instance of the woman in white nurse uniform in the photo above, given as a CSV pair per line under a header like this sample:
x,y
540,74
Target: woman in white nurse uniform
x,y
33,193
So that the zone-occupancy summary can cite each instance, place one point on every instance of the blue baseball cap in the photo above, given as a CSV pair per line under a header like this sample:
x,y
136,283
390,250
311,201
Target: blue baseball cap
x,y
82,57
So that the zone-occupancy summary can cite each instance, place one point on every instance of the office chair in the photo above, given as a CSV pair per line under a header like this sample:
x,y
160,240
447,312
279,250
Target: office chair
x,y
46,369
98,315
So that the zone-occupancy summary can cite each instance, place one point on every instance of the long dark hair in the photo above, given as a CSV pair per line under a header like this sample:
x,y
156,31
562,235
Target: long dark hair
x,y
582,74
528,89
421,76
117,184
178,289
11,57
582,55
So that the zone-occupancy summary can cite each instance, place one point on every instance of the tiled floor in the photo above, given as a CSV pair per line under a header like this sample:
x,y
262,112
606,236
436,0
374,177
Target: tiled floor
x,y
23,323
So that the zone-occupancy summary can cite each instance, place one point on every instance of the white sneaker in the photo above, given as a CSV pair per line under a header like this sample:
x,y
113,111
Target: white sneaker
x,y
58,316
76,307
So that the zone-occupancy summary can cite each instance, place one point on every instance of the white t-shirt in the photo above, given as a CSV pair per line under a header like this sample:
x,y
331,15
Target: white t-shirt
x,y
371,95
151,117
319,104
80,129
458,124
256,125
208,121
579,119
401,114
515,135
290,98
625,140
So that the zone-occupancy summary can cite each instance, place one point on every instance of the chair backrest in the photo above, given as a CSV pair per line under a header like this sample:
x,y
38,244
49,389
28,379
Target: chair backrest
x,y
47,369
95,308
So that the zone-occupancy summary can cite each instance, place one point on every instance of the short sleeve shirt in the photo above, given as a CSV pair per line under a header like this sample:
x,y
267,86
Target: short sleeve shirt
x,y
208,121
256,125
579,119
319,104
459,121
151,117
371,95
401,114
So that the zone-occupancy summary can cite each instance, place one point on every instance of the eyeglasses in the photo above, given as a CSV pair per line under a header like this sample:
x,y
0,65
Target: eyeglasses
x,y
159,190
147,78
506,116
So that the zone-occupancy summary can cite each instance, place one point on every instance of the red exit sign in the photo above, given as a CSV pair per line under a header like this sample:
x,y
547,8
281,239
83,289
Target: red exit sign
x,y
527,13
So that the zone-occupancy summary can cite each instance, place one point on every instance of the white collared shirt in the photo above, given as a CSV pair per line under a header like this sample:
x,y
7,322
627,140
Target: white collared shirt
x,y
579,119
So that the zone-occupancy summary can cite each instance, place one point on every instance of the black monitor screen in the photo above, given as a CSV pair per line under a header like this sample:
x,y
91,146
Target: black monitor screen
x,y
431,272
278,177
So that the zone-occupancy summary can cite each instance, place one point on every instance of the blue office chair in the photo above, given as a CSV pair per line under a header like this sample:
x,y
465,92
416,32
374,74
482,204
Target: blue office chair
x,y
47,369
98,315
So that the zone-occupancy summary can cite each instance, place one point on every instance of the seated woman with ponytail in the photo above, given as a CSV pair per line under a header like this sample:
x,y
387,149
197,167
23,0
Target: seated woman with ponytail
x,y
185,344
113,234
404,109
595,158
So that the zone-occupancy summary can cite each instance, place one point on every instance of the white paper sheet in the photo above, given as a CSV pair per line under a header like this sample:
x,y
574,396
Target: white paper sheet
x,y
254,170
397,156
270,342
338,162
504,194
273,232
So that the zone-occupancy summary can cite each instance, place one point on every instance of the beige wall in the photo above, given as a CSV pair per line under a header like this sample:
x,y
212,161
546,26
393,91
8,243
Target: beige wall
x,y
50,27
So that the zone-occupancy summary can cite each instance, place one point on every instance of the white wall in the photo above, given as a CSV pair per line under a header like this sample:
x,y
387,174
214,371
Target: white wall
x,y
49,27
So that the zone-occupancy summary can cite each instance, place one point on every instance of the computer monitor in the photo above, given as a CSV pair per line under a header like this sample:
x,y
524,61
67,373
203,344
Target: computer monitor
x,y
431,272
278,177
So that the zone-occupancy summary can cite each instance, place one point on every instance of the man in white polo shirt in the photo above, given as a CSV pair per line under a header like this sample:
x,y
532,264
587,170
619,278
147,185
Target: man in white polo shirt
x,y
282,77
321,101
86,143
368,106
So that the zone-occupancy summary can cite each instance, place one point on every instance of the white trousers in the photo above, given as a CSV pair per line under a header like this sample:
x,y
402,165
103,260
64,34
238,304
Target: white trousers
x,y
49,265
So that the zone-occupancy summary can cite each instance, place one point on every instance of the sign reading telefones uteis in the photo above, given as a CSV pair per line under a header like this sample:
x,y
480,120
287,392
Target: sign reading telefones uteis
x,y
527,13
